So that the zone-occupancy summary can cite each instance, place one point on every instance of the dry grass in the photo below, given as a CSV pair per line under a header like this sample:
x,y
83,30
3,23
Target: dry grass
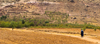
x,y
15,37
89,32
97,37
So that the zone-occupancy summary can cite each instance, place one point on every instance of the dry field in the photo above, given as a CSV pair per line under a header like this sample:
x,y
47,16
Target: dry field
x,y
22,37
87,31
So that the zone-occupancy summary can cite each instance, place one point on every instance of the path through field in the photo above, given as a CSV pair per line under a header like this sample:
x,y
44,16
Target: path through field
x,y
53,32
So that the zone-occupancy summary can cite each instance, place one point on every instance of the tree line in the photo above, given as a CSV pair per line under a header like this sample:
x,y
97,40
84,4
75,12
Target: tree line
x,y
43,24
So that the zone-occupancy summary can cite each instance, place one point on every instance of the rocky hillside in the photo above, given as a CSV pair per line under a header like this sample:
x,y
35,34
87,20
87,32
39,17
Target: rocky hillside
x,y
80,11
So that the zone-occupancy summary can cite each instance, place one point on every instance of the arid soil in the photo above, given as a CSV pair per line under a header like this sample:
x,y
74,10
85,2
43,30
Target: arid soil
x,y
36,37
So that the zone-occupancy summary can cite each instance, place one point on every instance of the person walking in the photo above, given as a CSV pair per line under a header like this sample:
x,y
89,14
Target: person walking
x,y
82,33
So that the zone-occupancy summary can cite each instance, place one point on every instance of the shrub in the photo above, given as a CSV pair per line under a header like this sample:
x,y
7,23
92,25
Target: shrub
x,y
3,17
95,29
12,24
27,24
46,21
4,24
84,28
32,24
19,24
23,21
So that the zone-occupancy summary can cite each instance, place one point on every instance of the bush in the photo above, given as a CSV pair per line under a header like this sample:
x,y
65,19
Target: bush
x,y
12,24
95,29
46,21
43,23
32,24
27,24
4,24
19,25
23,21
84,28
3,17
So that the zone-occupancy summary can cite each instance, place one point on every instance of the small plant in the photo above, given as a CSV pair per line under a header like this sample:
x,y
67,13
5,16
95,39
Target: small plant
x,y
52,18
84,28
23,16
95,29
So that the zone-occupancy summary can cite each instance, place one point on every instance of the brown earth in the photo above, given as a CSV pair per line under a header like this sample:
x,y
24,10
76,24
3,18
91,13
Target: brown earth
x,y
17,37
38,37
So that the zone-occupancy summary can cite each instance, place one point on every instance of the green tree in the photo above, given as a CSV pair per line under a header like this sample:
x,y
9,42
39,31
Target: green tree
x,y
23,21
12,25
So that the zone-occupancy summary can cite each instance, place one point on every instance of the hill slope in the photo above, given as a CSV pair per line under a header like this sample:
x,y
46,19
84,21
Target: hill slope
x,y
80,11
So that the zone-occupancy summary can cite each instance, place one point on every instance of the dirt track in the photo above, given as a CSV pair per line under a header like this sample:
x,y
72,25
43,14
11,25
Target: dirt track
x,y
36,37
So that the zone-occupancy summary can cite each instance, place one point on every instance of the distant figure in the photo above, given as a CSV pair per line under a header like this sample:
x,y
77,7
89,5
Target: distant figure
x,y
82,33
